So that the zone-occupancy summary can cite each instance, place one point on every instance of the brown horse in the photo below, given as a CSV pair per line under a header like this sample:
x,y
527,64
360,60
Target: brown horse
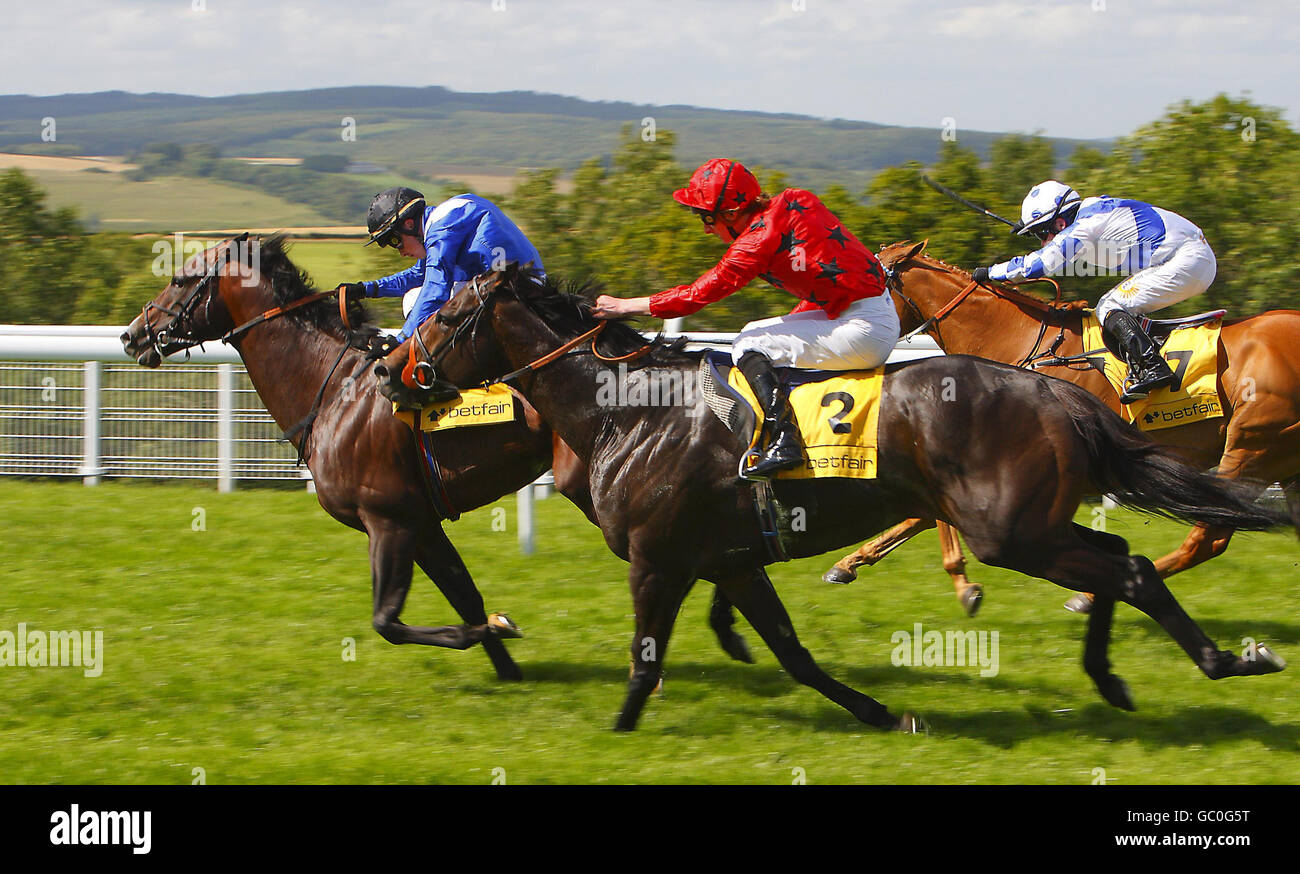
x,y
663,479
362,458
1259,387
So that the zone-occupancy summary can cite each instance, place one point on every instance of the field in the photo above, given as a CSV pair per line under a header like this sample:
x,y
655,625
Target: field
x,y
111,202
225,650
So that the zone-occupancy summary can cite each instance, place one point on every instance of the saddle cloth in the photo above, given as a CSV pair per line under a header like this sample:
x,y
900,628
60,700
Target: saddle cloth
x,y
1191,346
837,412
474,406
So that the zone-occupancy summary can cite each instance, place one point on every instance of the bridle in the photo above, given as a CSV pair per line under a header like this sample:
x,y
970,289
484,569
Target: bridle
x,y
179,332
417,368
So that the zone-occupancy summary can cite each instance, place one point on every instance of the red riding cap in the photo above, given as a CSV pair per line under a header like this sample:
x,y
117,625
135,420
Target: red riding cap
x,y
719,184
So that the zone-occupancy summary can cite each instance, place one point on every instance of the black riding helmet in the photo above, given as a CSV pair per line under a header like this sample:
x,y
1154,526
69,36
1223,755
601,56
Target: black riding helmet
x,y
388,210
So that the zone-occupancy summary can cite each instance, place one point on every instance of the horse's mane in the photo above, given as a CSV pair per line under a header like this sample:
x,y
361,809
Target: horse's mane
x,y
289,283
1040,308
566,304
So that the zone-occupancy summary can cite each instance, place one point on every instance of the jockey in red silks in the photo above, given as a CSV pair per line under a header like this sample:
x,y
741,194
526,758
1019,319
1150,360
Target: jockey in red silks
x,y
845,320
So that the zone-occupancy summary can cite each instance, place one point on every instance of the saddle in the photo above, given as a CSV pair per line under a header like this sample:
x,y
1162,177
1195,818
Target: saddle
x,y
837,413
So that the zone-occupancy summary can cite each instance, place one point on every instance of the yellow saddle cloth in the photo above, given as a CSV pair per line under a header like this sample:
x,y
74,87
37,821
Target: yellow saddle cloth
x,y
837,414
1193,353
475,406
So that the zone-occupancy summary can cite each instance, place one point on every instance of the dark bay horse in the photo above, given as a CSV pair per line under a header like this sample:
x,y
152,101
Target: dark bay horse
x,y
361,457
1259,388
663,479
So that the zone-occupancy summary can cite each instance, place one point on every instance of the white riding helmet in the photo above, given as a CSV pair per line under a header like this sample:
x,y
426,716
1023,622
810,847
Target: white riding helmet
x,y
1044,203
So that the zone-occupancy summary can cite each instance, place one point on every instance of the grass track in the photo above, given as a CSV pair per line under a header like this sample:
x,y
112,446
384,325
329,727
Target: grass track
x,y
223,651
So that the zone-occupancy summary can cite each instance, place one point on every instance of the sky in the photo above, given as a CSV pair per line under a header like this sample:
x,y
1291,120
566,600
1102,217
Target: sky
x,y
1071,68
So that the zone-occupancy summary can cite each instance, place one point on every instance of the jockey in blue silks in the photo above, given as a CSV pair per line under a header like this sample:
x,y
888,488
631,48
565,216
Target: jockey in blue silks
x,y
454,241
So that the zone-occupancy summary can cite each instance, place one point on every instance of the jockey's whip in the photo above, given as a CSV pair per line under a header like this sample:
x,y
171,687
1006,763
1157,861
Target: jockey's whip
x,y
948,192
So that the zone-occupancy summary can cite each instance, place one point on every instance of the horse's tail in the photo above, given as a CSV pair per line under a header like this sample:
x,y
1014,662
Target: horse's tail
x,y
1152,478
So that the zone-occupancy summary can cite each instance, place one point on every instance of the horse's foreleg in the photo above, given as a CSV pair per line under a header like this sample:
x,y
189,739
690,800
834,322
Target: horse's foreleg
x,y
656,596
392,555
721,618
846,569
969,595
755,597
439,559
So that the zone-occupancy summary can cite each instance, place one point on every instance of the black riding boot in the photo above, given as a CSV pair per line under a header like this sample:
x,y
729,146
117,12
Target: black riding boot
x,y
784,445
1146,369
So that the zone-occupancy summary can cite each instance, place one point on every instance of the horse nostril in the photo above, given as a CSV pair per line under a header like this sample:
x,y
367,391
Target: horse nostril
x,y
381,371
125,338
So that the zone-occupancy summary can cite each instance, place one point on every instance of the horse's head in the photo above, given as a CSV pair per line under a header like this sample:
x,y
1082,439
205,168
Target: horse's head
x,y
449,350
193,308
920,285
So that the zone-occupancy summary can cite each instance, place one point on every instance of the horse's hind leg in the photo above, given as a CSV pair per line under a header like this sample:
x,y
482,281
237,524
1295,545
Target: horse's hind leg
x,y
1096,658
846,569
1086,562
969,595
721,618
755,597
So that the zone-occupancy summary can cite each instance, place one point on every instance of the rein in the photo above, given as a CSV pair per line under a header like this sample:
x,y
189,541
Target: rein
x,y
1003,291
415,368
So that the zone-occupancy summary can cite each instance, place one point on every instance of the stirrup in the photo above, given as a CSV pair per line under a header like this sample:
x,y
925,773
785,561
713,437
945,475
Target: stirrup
x,y
784,452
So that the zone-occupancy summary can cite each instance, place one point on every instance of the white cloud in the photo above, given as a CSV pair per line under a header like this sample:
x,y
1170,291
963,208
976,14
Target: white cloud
x,y
1054,65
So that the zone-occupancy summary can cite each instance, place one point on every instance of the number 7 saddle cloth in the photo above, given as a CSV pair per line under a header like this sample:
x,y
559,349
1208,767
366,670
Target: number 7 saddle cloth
x,y
1191,346
837,413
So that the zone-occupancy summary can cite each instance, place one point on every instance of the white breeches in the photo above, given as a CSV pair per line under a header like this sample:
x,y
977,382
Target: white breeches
x,y
1187,273
860,339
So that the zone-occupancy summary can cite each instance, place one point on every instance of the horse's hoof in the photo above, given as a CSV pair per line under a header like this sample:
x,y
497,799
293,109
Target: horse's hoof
x,y
838,575
1080,603
972,598
734,645
1271,661
503,626
510,674
1116,693
910,723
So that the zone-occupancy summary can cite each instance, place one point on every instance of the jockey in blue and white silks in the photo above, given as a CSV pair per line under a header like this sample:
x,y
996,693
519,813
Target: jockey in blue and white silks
x,y
453,241
1164,256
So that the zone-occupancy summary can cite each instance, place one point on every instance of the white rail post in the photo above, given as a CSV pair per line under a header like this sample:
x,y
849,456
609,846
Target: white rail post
x,y
673,326
225,427
91,469
524,515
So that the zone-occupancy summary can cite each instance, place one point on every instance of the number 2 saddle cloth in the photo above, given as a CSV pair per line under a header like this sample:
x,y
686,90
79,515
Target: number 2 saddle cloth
x,y
837,413
1191,346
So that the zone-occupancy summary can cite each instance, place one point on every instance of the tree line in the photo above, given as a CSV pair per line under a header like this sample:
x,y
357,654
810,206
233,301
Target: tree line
x,y
1229,165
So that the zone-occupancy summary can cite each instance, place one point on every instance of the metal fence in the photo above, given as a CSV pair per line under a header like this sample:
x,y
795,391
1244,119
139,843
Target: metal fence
x,y
95,420
72,404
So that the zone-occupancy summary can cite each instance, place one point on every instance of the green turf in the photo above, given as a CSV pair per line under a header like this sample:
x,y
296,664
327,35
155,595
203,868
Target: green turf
x,y
223,651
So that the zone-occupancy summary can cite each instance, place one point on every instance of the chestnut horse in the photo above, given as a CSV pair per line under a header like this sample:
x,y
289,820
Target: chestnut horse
x,y
363,459
1259,387
663,480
